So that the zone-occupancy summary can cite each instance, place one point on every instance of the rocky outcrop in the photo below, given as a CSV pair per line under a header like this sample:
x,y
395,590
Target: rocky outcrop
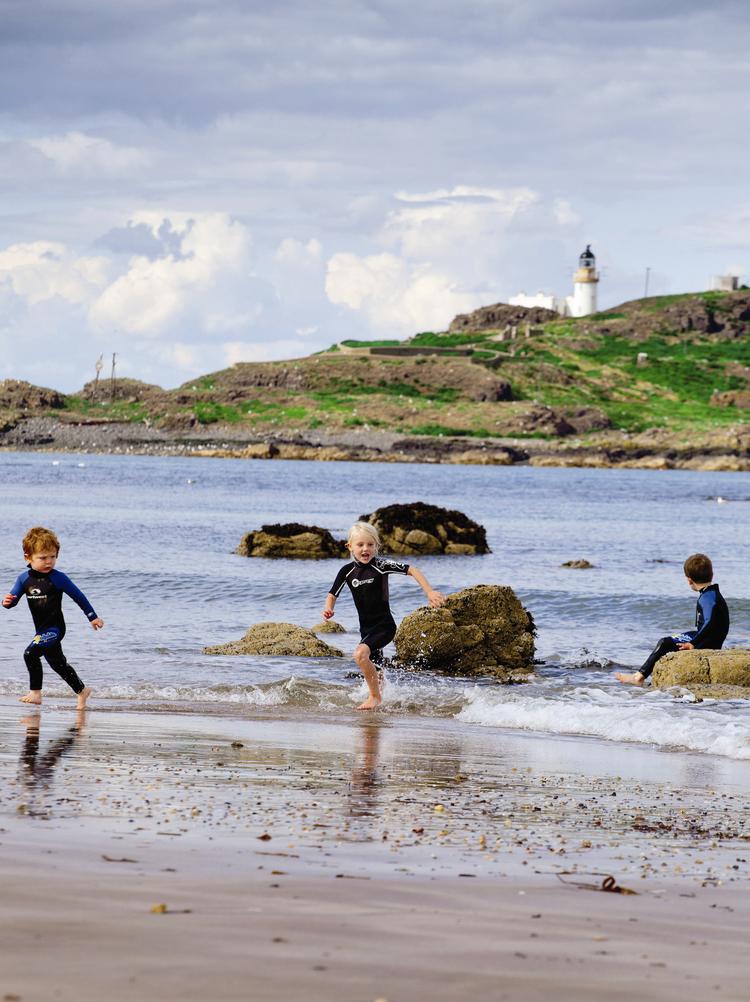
x,y
579,565
329,626
482,630
704,668
291,541
284,639
16,394
501,315
420,528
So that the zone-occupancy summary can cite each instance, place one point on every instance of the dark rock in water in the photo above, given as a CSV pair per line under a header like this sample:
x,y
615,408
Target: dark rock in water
x,y
704,668
293,541
579,565
482,630
329,626
283,639
425,528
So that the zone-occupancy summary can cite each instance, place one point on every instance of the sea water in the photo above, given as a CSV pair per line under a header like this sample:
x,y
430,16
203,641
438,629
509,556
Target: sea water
x,y
151,539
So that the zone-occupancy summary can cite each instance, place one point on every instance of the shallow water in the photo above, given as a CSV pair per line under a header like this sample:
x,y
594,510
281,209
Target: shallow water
x,y
150,541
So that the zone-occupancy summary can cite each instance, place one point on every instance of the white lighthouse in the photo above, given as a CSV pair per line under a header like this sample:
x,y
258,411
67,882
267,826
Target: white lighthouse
x,y
585,281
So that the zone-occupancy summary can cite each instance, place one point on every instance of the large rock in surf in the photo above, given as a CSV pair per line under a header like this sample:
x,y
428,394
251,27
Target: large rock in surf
x,y
293,541
284,639
699,671
421,528
482,630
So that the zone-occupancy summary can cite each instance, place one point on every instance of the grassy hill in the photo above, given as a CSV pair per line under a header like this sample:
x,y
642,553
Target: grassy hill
x,y
568,377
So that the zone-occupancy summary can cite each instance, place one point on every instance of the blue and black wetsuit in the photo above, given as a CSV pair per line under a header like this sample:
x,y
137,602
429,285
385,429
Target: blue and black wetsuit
x,y
368,584
711,628
44,593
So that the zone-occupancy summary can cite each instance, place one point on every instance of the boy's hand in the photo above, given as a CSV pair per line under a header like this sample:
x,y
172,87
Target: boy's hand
x,y
9,600
327,613
97,624
685,647
435,598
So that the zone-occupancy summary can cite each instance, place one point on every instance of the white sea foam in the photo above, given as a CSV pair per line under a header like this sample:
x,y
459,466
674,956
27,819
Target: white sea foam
x,y
649,718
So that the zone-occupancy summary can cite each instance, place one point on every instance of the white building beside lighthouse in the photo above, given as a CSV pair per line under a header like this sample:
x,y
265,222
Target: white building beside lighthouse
x,y
585,281
583,300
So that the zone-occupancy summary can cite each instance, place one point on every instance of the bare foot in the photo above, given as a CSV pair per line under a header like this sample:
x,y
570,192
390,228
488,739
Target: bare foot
x,y
371,703
32,696
635,678
83,695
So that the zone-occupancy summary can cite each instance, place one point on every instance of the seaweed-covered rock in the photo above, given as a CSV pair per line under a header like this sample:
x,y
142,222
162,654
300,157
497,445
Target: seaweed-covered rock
x,y
284,639
425,528
329,626
579,565
293,541
704,668
482,630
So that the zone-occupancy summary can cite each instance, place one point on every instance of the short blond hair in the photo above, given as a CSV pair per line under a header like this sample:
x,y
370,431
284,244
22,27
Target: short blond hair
x,y
364,528
38,539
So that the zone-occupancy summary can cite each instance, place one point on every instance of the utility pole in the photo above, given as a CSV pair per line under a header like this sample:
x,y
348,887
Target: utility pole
x,y
99,366
645,290
112,380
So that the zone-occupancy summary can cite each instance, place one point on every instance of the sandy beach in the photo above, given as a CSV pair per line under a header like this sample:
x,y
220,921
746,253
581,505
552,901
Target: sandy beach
x,y
166,856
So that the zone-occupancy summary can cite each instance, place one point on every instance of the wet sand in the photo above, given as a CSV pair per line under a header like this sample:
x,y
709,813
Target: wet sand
x,y
361,859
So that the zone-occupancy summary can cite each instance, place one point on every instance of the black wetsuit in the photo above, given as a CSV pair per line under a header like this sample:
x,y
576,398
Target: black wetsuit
x,y
711,628
369,587
44,593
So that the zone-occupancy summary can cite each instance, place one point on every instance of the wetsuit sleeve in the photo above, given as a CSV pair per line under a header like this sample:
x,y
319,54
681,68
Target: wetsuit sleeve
x,y
707,605
17,589
63,582
387,566
340,581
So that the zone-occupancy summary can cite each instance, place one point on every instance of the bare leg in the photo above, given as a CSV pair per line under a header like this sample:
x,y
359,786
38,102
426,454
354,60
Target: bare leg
x,y
630,678
370,672
32,696
83,695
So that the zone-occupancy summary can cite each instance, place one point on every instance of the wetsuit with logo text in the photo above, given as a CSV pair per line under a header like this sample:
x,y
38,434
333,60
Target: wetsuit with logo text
x,y
711,628
368,584
44,593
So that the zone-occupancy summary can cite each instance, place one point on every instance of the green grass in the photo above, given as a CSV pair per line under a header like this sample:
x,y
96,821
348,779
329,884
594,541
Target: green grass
x,y
440,430
117,410
370,344
428,339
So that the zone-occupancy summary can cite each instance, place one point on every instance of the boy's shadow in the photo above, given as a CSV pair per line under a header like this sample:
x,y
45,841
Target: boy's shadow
x,y
37,770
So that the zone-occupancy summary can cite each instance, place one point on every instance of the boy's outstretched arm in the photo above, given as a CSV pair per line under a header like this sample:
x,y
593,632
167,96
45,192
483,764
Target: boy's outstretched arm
x,y
328,607
15,593
63,582
435,598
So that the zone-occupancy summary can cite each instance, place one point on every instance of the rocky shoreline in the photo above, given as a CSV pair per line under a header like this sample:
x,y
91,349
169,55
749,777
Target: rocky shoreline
x,y
717,450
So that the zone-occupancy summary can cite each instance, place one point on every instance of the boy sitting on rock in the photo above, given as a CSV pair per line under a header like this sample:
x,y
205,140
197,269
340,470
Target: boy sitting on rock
x,y
711,621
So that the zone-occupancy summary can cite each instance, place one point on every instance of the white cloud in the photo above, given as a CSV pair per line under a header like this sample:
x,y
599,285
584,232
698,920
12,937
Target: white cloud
x,y
44,270
76,152
396,297
202,286
447,223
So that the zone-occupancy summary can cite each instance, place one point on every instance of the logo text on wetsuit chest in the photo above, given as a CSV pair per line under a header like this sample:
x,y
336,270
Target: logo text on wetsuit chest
x,y
360,581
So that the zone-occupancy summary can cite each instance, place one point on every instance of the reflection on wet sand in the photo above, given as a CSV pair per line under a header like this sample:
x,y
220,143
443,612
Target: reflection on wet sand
x,y
35,769
363,789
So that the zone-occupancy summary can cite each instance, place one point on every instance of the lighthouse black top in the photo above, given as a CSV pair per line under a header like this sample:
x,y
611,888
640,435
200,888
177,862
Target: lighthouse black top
x,y
369,587
44,594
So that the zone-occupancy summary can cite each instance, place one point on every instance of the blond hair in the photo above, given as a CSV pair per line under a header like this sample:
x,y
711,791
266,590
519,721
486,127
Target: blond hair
x,y
38,539
365,529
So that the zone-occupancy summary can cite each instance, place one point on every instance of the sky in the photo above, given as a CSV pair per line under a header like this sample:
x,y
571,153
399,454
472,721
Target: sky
x,y
194,183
